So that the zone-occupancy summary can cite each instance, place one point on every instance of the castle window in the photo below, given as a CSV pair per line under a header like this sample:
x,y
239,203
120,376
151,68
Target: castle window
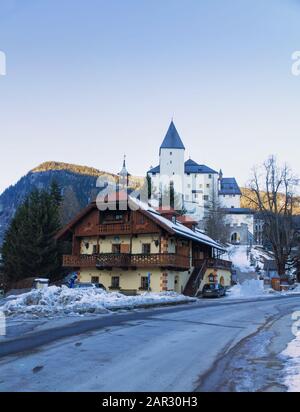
x,y
209,176
171,153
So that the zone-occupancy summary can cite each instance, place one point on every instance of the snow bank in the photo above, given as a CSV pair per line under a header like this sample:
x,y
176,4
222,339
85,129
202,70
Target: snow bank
x,y
248,289
292,367
55,301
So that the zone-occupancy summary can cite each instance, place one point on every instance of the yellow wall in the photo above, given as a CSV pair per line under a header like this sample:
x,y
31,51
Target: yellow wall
x,y
129,280
138,241
106,244
226,274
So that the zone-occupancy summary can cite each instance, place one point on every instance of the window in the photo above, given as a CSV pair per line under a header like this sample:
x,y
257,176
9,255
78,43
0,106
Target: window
x,y
144,283
200,186
205,197
116,249
209,176
115,282
95,279
171,162
187,197
171,153
208,185
189,186
146,248
95,249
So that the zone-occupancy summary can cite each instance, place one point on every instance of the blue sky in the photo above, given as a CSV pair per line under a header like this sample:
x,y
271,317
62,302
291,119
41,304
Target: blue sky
x,y
90,80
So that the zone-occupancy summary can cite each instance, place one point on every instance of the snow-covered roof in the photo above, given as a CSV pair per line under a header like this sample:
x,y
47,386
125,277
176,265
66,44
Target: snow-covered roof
x,y
177,227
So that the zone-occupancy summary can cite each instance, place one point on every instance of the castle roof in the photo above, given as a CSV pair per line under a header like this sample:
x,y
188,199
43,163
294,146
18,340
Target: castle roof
x,y
190,166
229,186
172,139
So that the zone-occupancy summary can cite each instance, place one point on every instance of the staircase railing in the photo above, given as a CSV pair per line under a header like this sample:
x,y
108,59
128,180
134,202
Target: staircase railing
x,y
199,277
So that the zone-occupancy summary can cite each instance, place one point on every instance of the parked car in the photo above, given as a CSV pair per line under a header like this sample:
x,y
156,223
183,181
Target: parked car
x,y
213,290
89,285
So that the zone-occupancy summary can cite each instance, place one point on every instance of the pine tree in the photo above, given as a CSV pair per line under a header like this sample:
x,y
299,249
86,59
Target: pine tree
x,y
55,193
30,248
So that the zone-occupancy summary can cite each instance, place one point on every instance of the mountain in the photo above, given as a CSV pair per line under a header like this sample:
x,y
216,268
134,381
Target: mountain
x,y
78,184
248,197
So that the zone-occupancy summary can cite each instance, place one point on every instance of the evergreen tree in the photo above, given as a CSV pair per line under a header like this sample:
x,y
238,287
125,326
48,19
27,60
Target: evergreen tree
x,y
55,193
30,248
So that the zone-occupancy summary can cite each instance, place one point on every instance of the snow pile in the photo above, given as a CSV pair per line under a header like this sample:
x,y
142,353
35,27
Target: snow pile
x,y
248,289
292,366
55,300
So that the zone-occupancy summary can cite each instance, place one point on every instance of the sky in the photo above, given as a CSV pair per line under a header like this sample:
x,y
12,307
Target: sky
x,y
89,80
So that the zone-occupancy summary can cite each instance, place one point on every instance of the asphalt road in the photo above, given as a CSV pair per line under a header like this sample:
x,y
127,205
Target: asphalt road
x,y
182,348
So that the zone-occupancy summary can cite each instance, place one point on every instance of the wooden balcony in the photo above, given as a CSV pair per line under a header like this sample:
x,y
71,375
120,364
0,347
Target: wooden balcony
x,y
213,263
109,260
83,261
126,260
114,228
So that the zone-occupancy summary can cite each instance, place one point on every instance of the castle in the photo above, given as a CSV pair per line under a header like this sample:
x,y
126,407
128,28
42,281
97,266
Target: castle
x,y
202,188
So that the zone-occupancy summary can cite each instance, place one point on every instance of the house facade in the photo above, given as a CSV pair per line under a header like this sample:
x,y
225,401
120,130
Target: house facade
x,y
134,248
201,187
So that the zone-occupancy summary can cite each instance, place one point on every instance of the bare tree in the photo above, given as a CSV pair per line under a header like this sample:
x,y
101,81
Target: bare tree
x,y
215,223
273,193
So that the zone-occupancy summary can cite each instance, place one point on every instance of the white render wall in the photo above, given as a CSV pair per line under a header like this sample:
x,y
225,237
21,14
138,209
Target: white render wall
x,y
229,201
236,221
172,164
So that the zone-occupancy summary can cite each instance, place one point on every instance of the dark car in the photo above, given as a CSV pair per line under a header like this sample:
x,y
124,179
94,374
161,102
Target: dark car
x,y
213,291
89,286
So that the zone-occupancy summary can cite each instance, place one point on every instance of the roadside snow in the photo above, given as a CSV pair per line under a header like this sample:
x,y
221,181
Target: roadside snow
x,y
248,289
53,301
292,367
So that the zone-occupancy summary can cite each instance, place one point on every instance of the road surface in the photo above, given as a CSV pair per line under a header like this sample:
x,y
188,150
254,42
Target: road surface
x,y
218,345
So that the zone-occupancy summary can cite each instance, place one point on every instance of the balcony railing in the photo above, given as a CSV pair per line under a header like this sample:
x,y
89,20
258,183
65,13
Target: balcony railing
x,y
213,263
108,260
115,228
79,261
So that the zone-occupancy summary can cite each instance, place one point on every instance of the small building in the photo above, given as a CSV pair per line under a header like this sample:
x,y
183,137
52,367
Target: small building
x,y
132,248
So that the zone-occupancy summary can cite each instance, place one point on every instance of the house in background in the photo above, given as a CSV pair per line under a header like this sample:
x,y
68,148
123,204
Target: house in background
x,y
136,248
202,186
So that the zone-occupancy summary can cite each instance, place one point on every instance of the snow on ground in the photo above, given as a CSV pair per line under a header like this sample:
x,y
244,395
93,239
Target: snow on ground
x,y
292,366
238,256
248,289
242,260
55,301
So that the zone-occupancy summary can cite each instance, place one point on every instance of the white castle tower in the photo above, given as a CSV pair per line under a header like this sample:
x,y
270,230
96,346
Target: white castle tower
x,y
171,158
